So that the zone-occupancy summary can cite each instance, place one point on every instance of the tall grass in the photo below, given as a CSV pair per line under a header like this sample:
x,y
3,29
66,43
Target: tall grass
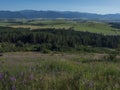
x,y
59,74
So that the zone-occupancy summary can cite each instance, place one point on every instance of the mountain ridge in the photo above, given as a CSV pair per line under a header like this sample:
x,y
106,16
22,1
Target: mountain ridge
x,y
30,14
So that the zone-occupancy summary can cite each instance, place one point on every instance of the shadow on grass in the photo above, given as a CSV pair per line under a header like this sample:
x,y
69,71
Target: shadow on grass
x,y
91,61
101,60
108,58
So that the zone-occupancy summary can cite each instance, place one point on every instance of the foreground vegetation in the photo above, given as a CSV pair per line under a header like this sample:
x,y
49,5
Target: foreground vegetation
x,y
35,71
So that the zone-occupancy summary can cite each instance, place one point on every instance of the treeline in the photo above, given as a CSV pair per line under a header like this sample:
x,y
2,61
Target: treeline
x,y
12,39
115,25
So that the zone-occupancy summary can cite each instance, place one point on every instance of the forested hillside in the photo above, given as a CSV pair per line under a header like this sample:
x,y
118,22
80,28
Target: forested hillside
x,y
12,39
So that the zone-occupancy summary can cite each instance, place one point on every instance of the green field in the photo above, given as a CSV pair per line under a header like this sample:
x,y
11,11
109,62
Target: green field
x,y
61,71
89,26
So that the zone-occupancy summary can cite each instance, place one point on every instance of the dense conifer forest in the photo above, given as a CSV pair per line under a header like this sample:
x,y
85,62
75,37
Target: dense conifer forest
x,y
19,39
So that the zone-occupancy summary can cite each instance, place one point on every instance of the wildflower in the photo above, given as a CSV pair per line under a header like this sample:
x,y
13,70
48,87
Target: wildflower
x,y
1,76
13,87
31,77
13,79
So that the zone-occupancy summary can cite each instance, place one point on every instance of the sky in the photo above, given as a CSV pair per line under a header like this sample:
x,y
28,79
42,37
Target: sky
x,y
91,6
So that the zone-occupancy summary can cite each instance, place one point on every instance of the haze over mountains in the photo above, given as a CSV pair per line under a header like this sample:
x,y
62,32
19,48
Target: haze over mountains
x,y
30,14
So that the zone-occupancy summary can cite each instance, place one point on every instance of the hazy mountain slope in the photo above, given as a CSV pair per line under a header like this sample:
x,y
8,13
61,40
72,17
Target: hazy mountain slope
x,y
29,14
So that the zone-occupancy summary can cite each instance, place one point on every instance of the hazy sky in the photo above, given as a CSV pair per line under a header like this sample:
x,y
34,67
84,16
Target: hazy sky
x,y
93,6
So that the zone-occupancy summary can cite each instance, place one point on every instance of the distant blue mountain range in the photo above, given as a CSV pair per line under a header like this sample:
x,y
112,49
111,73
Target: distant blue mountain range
x,y
31,14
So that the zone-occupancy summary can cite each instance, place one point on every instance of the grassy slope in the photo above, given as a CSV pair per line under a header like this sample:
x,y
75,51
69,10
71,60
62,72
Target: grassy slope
x,y
59,71
95,27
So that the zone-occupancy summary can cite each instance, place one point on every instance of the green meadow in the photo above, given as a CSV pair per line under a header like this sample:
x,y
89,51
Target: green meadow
x,y
58,71
86,26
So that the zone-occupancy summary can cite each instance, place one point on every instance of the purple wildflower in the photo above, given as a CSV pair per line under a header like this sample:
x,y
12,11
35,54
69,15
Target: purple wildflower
x,y
13,87
1,76
13,79
31,77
